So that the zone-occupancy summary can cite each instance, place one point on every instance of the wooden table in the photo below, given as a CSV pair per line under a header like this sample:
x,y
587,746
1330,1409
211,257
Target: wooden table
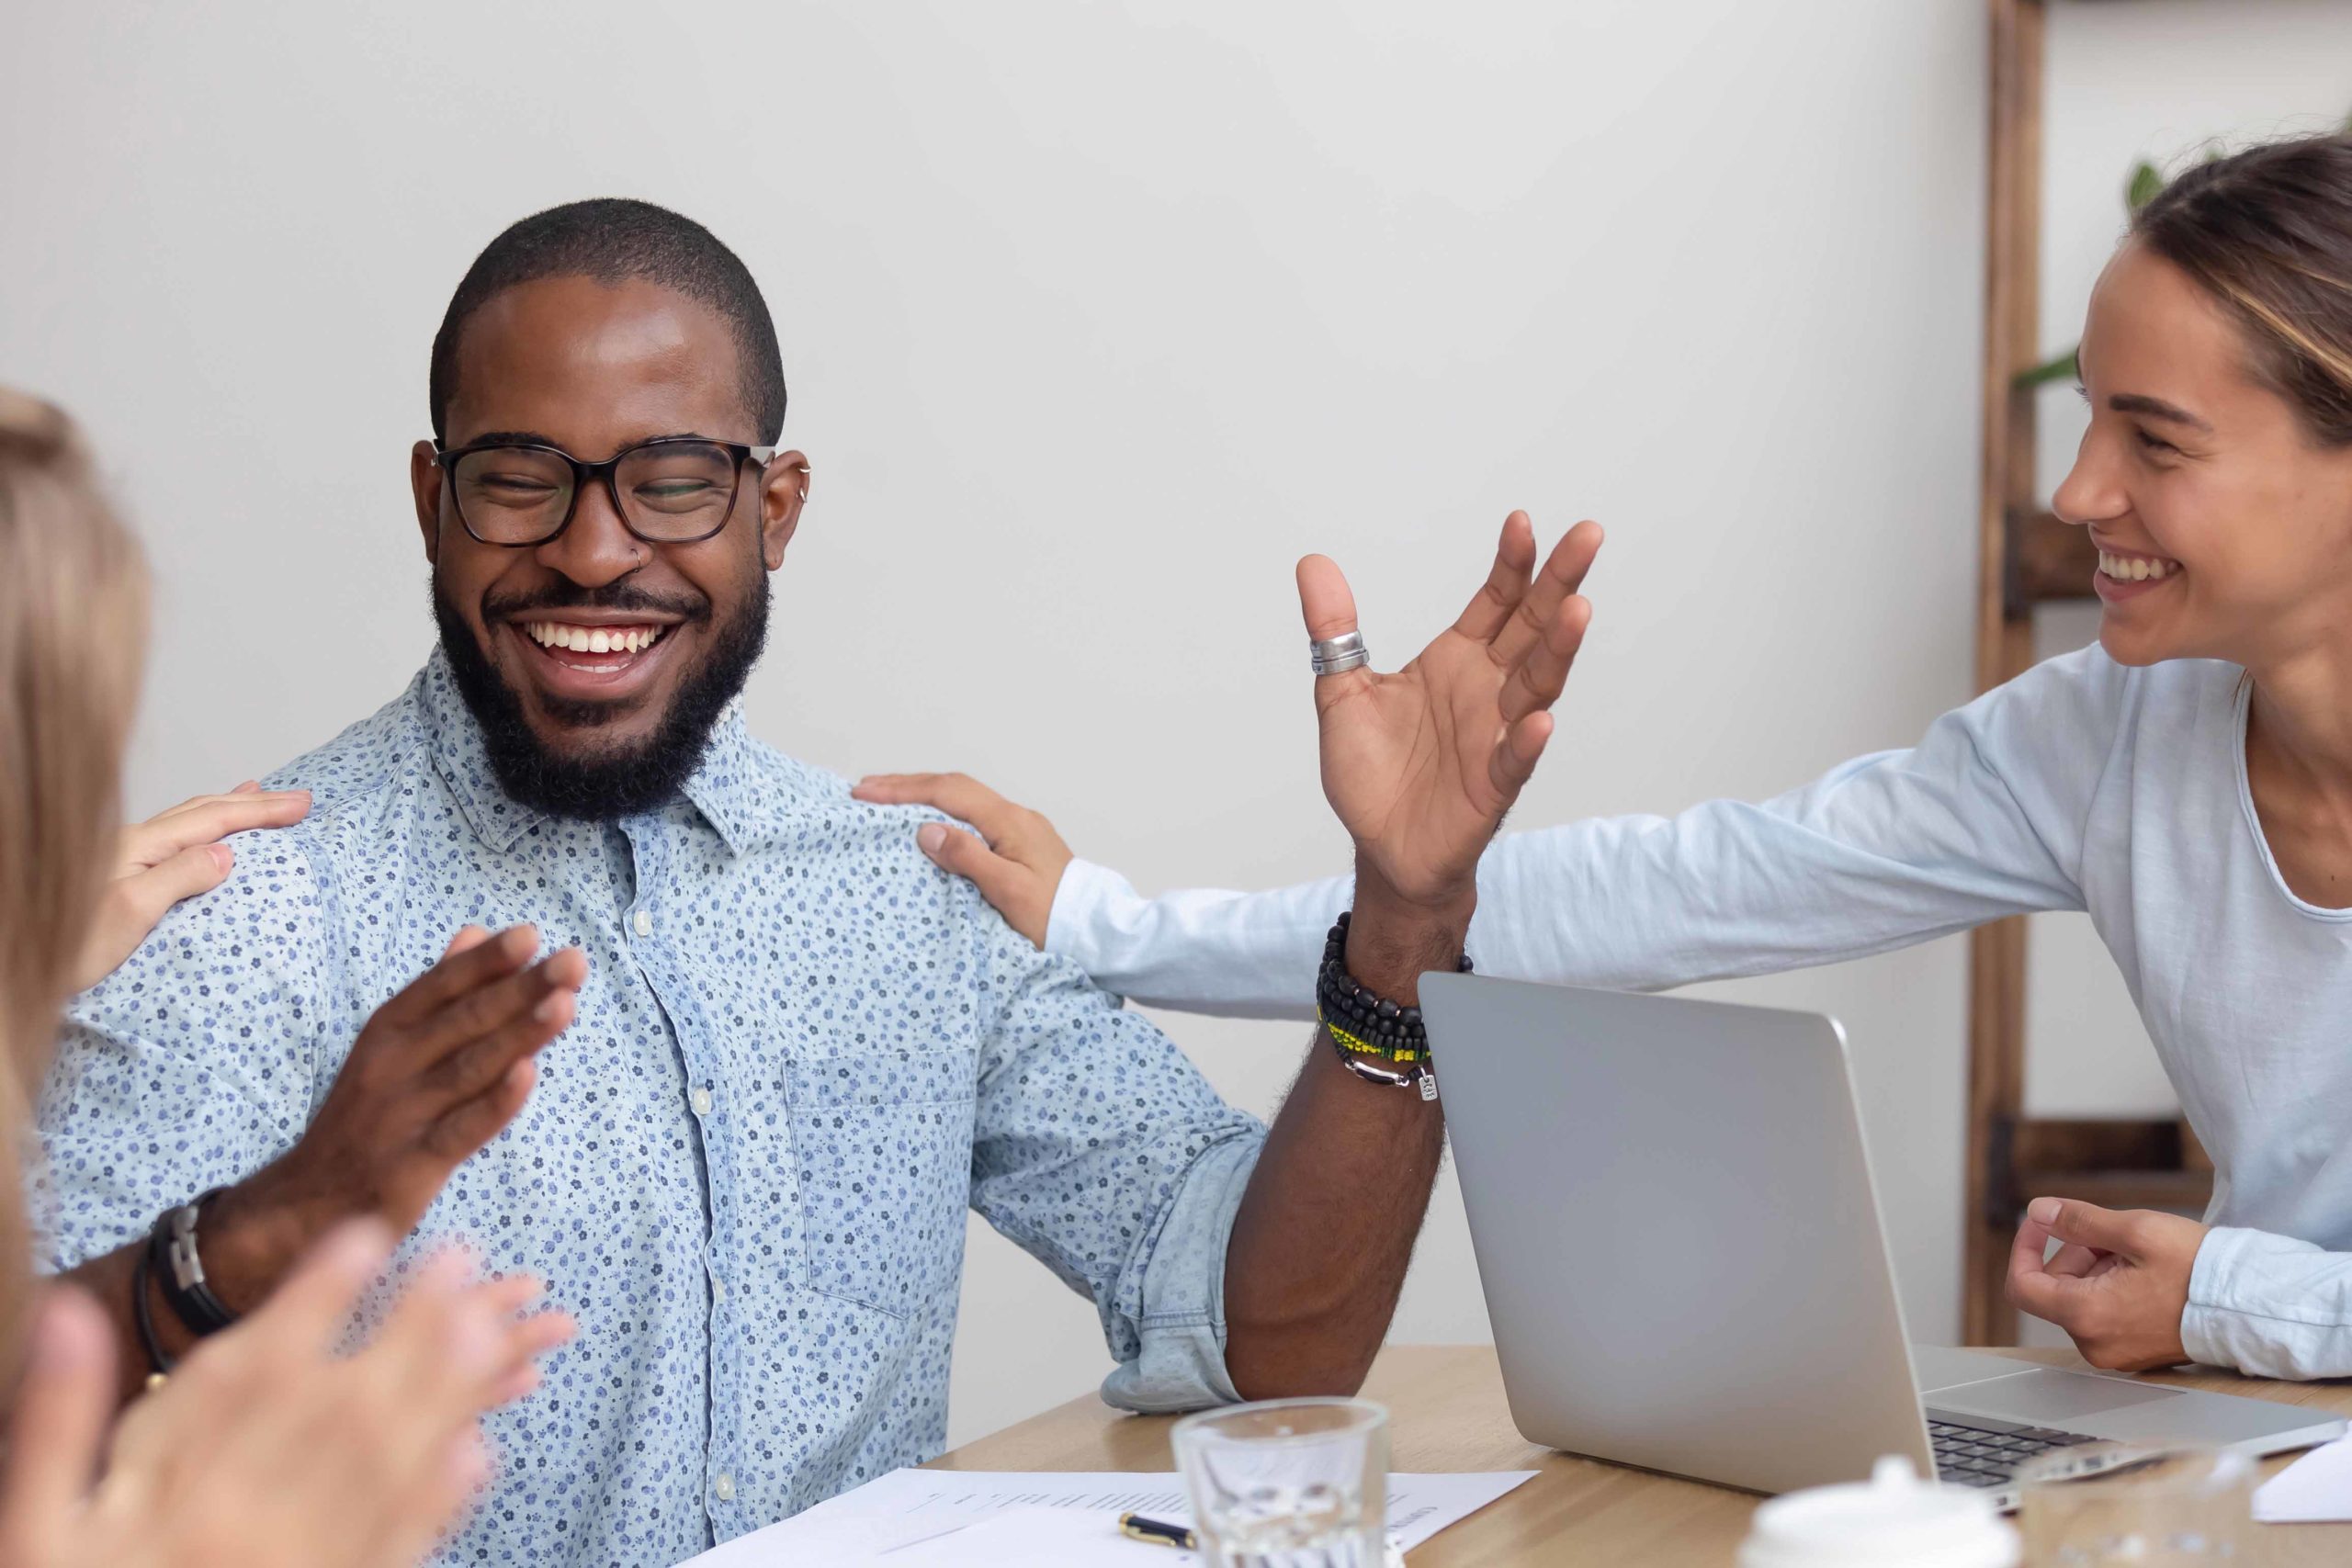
x,y
1446,1404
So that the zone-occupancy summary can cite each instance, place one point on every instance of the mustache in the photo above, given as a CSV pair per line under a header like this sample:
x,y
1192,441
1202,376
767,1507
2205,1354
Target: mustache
x,y
625,596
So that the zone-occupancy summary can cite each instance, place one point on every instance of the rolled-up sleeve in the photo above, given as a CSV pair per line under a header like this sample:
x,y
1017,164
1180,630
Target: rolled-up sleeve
x,y
1102,1151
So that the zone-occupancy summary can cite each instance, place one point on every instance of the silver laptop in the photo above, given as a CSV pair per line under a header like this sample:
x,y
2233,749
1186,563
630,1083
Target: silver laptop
x,y
1685,1269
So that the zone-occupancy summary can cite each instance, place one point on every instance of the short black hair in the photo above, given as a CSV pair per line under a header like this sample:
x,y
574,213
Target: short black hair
x,y
611,239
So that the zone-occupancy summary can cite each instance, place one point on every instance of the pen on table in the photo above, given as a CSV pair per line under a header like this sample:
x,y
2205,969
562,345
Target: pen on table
x,y
1158,1531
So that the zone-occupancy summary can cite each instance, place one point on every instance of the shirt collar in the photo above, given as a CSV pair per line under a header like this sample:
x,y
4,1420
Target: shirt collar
x,y
721,788
725,784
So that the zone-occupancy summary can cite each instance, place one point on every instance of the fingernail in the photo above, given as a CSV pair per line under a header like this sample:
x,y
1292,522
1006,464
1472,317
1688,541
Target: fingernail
x,y
2043,1211
550,1007
223,857
930,836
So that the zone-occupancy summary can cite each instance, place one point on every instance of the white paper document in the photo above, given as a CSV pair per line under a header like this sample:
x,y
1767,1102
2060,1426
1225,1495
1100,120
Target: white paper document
x,y
915,1519
1045,1538
2315,1489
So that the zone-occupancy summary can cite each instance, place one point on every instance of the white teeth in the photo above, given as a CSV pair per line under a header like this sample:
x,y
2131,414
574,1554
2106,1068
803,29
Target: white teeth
x,y
2135,569
592,639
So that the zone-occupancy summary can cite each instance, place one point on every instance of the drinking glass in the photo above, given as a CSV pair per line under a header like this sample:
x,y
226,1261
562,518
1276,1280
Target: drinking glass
x,y
2184,1507
1288,1483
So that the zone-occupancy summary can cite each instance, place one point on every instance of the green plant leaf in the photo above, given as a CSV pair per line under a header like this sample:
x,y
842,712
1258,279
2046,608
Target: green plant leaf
x,y
2144,185
2062,369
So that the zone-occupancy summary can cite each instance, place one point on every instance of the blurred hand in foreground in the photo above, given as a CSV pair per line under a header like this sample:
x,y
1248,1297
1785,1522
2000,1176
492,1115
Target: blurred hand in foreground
x,y
264,1449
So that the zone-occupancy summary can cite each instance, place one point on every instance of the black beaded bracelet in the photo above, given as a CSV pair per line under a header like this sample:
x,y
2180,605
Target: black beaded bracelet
x,y
1367,1028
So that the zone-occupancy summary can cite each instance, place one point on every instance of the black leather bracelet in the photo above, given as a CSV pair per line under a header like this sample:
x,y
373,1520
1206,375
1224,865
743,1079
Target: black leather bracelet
x,y
178,1268
159,1363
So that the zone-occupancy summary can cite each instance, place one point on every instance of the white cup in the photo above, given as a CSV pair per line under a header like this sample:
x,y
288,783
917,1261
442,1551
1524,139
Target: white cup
x,y
1892,1520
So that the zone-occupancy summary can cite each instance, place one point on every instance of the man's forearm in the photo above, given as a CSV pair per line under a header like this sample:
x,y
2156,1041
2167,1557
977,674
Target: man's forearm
x,y
247,1239
1327,1227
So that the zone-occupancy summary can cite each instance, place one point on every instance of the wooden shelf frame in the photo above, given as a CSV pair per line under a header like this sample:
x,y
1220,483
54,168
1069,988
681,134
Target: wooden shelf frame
x,y
2027,557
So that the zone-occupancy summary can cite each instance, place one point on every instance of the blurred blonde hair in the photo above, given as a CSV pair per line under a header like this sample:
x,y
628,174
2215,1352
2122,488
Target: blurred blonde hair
x,y
73,634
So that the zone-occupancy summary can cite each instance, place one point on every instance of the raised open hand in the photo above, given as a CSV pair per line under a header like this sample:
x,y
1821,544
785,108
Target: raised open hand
x,y
1421,765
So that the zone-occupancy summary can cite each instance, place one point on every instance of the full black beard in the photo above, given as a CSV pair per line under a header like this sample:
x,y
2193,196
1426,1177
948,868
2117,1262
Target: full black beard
x,y
601,785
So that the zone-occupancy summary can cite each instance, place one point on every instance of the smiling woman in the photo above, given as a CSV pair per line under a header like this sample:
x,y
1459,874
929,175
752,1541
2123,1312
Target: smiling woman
x,y
2213,473
2189,783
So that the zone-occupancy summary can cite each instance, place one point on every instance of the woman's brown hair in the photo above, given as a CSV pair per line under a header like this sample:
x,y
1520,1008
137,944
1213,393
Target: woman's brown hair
x,y
2268,232
72,632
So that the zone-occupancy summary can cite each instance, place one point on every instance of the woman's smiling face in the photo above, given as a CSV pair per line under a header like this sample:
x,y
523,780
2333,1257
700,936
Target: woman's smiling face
x,y
2224,528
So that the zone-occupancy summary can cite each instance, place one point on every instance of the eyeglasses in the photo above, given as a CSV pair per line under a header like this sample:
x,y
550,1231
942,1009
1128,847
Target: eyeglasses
x,y
674,489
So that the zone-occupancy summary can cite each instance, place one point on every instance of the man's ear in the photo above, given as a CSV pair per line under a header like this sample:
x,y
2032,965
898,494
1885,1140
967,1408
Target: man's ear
x,y
424,483
783,490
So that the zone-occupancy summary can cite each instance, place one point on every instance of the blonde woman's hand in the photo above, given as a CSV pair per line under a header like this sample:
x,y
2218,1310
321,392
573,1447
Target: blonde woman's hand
x,y
1017,860
266,1449
173,855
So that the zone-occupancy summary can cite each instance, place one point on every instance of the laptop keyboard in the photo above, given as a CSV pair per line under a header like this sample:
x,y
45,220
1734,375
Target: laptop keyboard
x,y
1976,1451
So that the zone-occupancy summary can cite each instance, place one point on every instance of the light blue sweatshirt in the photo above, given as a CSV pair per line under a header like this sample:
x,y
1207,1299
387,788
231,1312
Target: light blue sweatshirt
x,y
2082,784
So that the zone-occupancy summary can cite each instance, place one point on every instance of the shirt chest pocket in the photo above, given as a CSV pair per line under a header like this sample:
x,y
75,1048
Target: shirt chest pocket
x,y
883,1144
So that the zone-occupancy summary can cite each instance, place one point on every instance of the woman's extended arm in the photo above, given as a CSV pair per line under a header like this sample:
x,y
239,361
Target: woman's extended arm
x,y
1983,819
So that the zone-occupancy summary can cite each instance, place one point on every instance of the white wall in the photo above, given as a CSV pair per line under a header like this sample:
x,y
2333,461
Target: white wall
x,y
1096,318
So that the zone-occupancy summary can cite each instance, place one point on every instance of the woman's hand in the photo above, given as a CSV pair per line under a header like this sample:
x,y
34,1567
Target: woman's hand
x,y
1421,765
2118,1285
265,1449
1016,863
174,855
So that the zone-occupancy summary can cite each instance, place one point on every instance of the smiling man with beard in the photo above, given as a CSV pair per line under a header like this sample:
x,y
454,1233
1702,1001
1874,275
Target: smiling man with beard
x,y
801,1050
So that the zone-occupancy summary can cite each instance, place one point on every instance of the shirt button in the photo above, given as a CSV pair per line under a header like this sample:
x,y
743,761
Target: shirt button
x,y
700,1101
725,1487
718,1289
644,922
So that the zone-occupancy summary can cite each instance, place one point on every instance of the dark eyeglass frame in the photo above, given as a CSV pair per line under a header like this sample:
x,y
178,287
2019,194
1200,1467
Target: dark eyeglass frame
x,y
585,473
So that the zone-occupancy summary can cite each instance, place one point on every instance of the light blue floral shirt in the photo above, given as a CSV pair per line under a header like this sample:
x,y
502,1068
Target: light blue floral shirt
x,y
801,1052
